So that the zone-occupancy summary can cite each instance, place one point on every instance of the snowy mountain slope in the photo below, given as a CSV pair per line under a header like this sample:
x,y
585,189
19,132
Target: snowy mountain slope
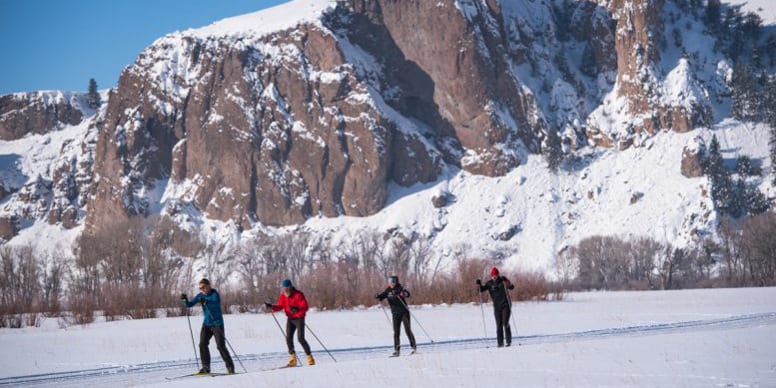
x,y
549,213
346,116
266,21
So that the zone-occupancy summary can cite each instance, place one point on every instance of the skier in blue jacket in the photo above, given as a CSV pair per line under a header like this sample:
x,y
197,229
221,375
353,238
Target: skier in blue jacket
x,y
213,325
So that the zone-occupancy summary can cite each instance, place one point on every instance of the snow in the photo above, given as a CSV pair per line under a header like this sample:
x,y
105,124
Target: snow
x,y
689,338
681,89
264,22
555,211
549,212
34,157
766,9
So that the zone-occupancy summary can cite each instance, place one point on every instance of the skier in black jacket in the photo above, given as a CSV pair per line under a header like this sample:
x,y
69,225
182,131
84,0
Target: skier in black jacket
x,y
395,294
502,305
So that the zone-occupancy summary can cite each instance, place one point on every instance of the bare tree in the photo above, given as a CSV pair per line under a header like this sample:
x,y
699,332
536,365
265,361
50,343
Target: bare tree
x,y
758,245
20,286
420,255
643,254
54,269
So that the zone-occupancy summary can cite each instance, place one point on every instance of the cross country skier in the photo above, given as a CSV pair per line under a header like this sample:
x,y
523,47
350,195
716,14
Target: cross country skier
x,y
212,326
497,287
293,302
395,294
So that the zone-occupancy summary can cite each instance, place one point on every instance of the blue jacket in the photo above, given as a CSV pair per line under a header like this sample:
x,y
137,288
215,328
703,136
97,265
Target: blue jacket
x,y
211,308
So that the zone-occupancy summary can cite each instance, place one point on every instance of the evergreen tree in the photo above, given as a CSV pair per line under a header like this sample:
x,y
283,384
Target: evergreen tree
x,y
770,50
589,66
93,97
773,154
736,200
711,17
751,26
722,190
769,101
744,92
744,166
713,162
553,152
755,201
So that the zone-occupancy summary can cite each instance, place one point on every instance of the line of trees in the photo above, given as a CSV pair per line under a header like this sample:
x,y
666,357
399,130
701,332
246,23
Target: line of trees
x,y
746,256
137,269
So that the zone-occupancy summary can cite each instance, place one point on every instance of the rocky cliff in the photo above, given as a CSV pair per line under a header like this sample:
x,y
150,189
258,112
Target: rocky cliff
x,y
315,108
39,112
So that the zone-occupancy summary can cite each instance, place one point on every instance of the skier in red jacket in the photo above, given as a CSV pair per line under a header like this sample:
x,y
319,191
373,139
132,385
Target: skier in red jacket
x,y
293,302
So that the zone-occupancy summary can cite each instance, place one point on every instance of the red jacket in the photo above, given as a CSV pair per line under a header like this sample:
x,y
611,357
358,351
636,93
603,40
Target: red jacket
x,y
296,299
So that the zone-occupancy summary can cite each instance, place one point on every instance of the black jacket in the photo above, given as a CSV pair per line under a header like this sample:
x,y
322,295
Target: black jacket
x,y
396,299
497,291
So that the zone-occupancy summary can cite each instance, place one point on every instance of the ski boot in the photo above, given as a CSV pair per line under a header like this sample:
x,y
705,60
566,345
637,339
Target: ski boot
x,y
414,350
395,353
203,371
292,361
310,360
230,370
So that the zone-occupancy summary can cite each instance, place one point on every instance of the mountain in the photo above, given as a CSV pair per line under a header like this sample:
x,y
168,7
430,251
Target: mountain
x,y
408,118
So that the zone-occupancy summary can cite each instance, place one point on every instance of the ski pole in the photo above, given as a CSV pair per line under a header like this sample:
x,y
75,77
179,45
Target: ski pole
x,y
235,353
196,357
511,314
482,310
226,339
319,341
278,323
382,306
416,319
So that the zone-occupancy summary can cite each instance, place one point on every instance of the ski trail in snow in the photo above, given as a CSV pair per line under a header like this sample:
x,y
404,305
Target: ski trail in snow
x,y
267,362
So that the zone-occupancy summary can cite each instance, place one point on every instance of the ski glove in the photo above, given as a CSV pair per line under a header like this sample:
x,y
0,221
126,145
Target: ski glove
x,y
377,296
511,286
268,305
293,309
184,297
479,282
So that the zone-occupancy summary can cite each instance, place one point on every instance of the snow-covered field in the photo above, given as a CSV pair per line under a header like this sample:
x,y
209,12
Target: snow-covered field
x,y
691,338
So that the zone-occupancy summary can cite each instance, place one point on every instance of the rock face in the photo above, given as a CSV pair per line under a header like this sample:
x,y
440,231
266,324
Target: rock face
x,y
38,112
452,69
692,158
319,118
258,120
272,132
649,101
8,228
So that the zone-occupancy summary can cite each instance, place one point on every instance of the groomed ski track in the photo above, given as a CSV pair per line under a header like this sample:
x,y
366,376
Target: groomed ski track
x,y
266,362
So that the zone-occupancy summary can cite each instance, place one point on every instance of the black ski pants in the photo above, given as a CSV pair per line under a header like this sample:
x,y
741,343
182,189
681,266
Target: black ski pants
x,y
204,340
292,325
398,319
502,324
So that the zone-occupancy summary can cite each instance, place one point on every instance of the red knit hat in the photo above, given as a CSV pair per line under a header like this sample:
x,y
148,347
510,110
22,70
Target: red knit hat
x,y
494,271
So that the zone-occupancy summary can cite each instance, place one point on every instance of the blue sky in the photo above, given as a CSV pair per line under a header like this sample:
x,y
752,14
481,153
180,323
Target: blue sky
x,y
60,44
